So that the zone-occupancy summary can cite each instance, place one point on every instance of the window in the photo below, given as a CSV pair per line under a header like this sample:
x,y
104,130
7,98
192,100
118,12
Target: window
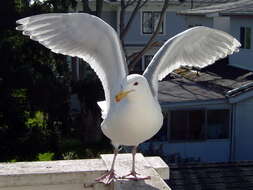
x,y
217,124
147,59
187,125
150,21
245,37
199,125
162,134
142,63
138,67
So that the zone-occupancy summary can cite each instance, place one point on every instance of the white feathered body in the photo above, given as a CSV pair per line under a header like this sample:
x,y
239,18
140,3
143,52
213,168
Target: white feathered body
x,y
133,123
134,119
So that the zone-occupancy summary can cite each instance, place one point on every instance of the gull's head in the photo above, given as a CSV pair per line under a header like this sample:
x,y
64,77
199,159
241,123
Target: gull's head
x,y
134,86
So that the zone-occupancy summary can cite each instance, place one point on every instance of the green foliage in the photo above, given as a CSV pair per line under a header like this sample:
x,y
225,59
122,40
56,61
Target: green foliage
x,y
72,148
12,161
34,85
69,156
38,120
34,109
45,156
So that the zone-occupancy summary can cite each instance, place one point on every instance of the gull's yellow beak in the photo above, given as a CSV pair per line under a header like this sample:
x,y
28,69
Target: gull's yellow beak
x,y
121,95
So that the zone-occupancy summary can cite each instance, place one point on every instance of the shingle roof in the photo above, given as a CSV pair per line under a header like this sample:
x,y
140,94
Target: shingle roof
x,y
210,83
195,3
235,7
179,89
211,176
246,10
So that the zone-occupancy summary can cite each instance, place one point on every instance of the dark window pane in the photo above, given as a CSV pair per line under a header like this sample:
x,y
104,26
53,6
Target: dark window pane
x,y
196,125
178,126
247,38
156,16
162,133
217,124
147,59
138,66
147,25
242,36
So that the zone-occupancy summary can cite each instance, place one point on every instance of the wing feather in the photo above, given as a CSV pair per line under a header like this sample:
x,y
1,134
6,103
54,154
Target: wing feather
x,y
84,36
196,47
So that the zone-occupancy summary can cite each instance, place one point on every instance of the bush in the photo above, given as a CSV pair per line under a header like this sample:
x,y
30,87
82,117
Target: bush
x,y
45,156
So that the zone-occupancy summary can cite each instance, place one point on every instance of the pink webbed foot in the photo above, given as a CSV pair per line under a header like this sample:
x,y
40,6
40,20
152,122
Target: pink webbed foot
x,y
135,176
108,177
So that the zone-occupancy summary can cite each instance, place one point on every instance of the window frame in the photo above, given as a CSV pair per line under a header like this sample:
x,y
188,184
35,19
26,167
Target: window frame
x,y
144,65
152,22
245,37
205,129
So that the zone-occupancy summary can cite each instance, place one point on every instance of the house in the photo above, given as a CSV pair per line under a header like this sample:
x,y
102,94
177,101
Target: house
x,y
210,111
139,32
234,18
208,115
143,26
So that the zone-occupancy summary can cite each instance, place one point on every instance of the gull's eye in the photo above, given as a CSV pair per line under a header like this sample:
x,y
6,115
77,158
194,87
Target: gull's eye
x,y
136,83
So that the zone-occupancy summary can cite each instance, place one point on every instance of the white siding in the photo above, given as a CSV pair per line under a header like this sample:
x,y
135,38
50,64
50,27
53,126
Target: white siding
x,y
244,130
199,20
243,59
173,24
208,151
222,23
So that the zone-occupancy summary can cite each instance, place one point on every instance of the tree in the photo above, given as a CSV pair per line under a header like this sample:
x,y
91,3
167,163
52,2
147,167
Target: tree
x,y
138,4
124,28
33,107
99,7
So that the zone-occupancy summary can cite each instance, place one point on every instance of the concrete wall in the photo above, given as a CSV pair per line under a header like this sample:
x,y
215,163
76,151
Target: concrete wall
x,y
244,130
81,174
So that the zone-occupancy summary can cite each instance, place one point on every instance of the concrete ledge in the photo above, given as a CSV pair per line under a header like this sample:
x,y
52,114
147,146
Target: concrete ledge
x,y
80,174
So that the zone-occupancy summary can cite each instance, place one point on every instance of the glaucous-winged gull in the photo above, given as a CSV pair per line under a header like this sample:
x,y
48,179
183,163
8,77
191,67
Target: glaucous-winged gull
x,y
131,111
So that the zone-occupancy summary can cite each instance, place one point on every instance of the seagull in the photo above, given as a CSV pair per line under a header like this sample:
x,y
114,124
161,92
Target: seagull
x,y
131,112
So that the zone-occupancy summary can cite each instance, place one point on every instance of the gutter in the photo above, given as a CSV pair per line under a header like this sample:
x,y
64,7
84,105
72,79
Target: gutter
x,y
236,90
192,103
240,94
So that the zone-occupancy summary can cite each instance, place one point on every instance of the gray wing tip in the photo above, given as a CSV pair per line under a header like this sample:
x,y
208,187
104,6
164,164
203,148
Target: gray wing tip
x,y
23,20
237,43
20,28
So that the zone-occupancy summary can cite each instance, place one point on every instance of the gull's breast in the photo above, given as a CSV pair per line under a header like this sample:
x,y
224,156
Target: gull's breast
x,y
132,124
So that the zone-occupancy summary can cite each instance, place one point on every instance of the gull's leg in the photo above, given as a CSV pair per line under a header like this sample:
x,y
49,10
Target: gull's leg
x,y
133,175
110,175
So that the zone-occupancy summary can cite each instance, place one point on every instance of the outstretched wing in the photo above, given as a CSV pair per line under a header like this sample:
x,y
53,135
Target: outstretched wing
x,y
199,46
84,36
